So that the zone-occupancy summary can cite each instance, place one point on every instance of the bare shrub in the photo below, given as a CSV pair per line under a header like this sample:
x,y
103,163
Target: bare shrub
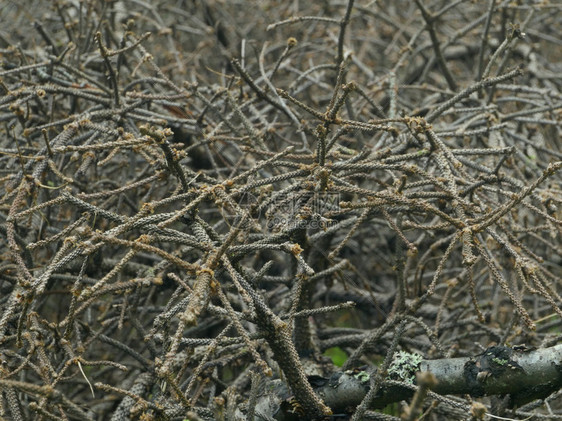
x,y
190,211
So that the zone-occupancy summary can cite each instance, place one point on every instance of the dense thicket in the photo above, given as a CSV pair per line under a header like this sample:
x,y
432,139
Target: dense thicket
x,y
200,197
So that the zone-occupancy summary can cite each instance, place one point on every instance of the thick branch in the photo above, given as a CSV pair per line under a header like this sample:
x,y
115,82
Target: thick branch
x,y
523,374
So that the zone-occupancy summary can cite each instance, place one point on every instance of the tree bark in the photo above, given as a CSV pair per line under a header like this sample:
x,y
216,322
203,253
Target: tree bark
x,y
523,374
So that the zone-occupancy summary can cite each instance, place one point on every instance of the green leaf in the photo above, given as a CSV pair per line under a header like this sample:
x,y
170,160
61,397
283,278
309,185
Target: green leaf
x,y
338,355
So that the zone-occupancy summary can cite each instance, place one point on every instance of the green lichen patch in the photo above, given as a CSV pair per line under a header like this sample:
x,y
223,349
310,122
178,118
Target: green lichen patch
x,y
404,367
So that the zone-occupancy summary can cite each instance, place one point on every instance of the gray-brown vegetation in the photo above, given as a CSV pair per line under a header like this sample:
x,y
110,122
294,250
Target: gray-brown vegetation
x,y
202,200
